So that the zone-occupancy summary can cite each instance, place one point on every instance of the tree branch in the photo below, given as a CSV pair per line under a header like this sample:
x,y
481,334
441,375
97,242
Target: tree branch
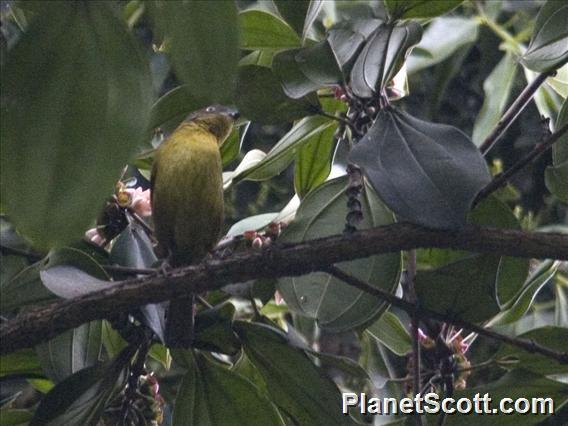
x,y
43,323
501,179
513,112
416,311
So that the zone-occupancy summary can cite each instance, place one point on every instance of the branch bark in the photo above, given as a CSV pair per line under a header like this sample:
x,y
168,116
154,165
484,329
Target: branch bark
x,y
45,322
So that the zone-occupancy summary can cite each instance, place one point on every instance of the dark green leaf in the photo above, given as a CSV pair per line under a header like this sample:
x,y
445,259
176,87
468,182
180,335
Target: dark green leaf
x,y
556,176
71,351
81,398
294,12
25,288
172,108
312,13
213,330
69,147
203,40
516,384
390,332
554,338
13,417
294,383
71,273
313,161
520,304
263,30
335,305
497,88
547,49
213,395
405,9
427,173
382,57
443,37
133,248
24,362
465,288
251,223
231,147
508,274
282,154
346,39
260,98
305,70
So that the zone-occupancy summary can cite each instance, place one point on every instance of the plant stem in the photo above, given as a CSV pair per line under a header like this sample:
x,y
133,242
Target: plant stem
x,y
502,178
513,112
412,309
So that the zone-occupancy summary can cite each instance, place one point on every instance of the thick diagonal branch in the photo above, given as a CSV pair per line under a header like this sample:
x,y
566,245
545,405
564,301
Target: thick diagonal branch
x,y
45,322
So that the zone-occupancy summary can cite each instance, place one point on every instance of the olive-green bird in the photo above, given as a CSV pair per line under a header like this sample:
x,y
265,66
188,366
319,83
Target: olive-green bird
x,y
187,201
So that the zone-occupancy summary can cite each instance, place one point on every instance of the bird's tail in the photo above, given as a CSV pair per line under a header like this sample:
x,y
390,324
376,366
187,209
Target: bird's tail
x,y
180,323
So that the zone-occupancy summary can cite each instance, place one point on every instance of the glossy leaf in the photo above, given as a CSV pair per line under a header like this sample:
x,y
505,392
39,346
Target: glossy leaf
x,y
335,305
382,57
553,338
405,9
521,303
203,40
497,88
208,396
260,98
442,38
22,363
465,288
134,249
71,273
313,161
173,107
81,398
213,330
251,159
15,417
547,48
231,148
293,382
498,286
25,288
306,70
251,223
71,351
263,30
293,12
282,154
312,13
69,147
347,38
427,173
390,332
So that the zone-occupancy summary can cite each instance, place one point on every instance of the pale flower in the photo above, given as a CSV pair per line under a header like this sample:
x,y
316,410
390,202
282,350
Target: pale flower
x,y
94,236
140,201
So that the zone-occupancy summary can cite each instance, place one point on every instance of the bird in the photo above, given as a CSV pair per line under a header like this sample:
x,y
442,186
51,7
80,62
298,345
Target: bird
x,y
187,202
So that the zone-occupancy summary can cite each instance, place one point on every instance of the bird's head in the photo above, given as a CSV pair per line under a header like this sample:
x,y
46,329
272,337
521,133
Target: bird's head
x,y
217,119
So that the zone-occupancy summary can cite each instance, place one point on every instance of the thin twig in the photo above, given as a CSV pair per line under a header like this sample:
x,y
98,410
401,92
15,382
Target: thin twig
x,y
341,120
514,110
412,297
502,178
412,309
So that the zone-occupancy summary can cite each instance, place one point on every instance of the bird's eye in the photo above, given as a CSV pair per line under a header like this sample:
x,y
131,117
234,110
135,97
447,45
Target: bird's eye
x,y
210,109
